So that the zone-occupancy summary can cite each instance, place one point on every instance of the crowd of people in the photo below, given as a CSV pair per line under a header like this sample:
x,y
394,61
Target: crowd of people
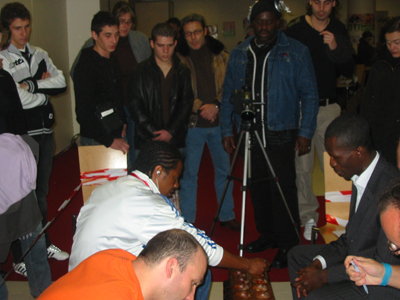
x,y
160,101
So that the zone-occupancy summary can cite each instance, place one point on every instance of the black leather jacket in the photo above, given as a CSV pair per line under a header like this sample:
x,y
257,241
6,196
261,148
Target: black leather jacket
x,y
145,102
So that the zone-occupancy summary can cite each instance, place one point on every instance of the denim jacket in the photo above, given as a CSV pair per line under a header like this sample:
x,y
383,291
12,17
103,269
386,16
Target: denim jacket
x,y
292,83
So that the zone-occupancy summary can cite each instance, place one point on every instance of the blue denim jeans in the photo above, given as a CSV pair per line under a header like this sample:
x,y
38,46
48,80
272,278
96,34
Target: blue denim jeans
x,y
3,290
130,135
45,164
37,265
204,290
195,140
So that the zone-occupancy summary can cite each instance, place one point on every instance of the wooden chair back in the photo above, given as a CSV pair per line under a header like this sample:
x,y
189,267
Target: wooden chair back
x,y
92,158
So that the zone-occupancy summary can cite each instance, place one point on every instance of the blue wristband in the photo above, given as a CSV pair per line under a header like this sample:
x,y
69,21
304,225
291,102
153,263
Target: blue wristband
x,y
388,274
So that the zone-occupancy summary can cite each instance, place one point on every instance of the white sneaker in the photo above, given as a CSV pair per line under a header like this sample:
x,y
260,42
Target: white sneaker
x,y
56,253
308,229
20,269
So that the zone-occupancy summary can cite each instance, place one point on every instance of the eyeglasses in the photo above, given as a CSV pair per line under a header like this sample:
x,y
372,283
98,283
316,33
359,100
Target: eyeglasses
x,y
393,248
122,21
196,32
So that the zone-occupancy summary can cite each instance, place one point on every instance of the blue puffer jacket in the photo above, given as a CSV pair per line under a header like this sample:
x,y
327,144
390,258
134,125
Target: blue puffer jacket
x,y
292,86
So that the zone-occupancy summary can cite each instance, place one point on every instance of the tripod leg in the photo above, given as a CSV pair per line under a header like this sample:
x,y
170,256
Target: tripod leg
x,y
278,185
244,190
228,179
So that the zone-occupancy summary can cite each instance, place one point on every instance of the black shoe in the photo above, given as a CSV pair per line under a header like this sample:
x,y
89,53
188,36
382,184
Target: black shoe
x,y
260,245
232,224
280,260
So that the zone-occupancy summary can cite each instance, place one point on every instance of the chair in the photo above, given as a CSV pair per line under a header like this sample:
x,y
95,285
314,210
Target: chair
x,y
337,205
92,158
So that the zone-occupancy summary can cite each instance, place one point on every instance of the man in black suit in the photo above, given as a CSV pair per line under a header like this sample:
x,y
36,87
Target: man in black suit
x,y
317,271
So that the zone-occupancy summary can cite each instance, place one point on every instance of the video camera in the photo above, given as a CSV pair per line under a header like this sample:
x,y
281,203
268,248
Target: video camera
x,y
243,103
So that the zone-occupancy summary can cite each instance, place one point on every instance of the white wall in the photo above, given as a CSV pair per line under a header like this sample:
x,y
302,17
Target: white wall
x,y
49,32
79,17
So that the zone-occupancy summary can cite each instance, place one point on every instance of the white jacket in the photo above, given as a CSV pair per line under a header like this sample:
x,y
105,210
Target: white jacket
x,y
126,214
15,64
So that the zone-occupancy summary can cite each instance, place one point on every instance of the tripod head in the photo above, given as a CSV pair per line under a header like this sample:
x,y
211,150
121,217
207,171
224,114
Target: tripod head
x,y
243,104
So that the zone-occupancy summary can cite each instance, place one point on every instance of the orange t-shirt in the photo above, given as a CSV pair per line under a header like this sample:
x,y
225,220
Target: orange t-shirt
x,y
105,275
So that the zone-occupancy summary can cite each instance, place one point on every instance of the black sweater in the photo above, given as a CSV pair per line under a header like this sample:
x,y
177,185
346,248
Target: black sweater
x,y
97,80
327,64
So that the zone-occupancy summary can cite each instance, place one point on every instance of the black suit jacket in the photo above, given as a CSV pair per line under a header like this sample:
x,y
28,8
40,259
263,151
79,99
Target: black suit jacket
x,y
364,235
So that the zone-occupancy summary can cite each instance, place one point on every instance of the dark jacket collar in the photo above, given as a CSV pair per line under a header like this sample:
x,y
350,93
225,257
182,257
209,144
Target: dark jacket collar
x,y
213,44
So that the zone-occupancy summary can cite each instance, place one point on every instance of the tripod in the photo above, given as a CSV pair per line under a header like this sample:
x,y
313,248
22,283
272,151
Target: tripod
x,y
247,175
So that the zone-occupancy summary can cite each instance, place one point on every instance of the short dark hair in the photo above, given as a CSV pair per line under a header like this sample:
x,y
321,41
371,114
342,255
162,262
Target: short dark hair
x,y
333,13
174,21
163,29
351,131
101,19
156,153
12,11
121,8
171,243
193,18
391,197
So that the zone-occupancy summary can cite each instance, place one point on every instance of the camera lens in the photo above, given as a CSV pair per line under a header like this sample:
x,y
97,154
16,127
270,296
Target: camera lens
x,y
247,114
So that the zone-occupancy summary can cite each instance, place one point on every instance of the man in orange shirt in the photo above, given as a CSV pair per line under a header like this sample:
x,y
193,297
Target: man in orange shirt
x,y
171,266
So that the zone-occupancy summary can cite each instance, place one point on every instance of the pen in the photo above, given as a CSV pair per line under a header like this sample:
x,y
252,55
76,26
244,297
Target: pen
x,y
358,270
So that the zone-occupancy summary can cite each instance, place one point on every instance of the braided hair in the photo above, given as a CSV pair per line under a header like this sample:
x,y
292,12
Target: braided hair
x,y
156,153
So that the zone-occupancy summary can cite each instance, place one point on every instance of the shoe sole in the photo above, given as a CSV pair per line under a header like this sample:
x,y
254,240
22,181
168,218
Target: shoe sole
x,y
58,259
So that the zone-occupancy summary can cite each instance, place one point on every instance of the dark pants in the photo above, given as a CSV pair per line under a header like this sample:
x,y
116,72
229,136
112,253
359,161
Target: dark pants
x,y
45,163
302,256
130,135
271,216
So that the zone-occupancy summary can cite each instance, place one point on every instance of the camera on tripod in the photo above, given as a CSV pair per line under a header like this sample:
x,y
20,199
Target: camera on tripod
x,y
243,103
